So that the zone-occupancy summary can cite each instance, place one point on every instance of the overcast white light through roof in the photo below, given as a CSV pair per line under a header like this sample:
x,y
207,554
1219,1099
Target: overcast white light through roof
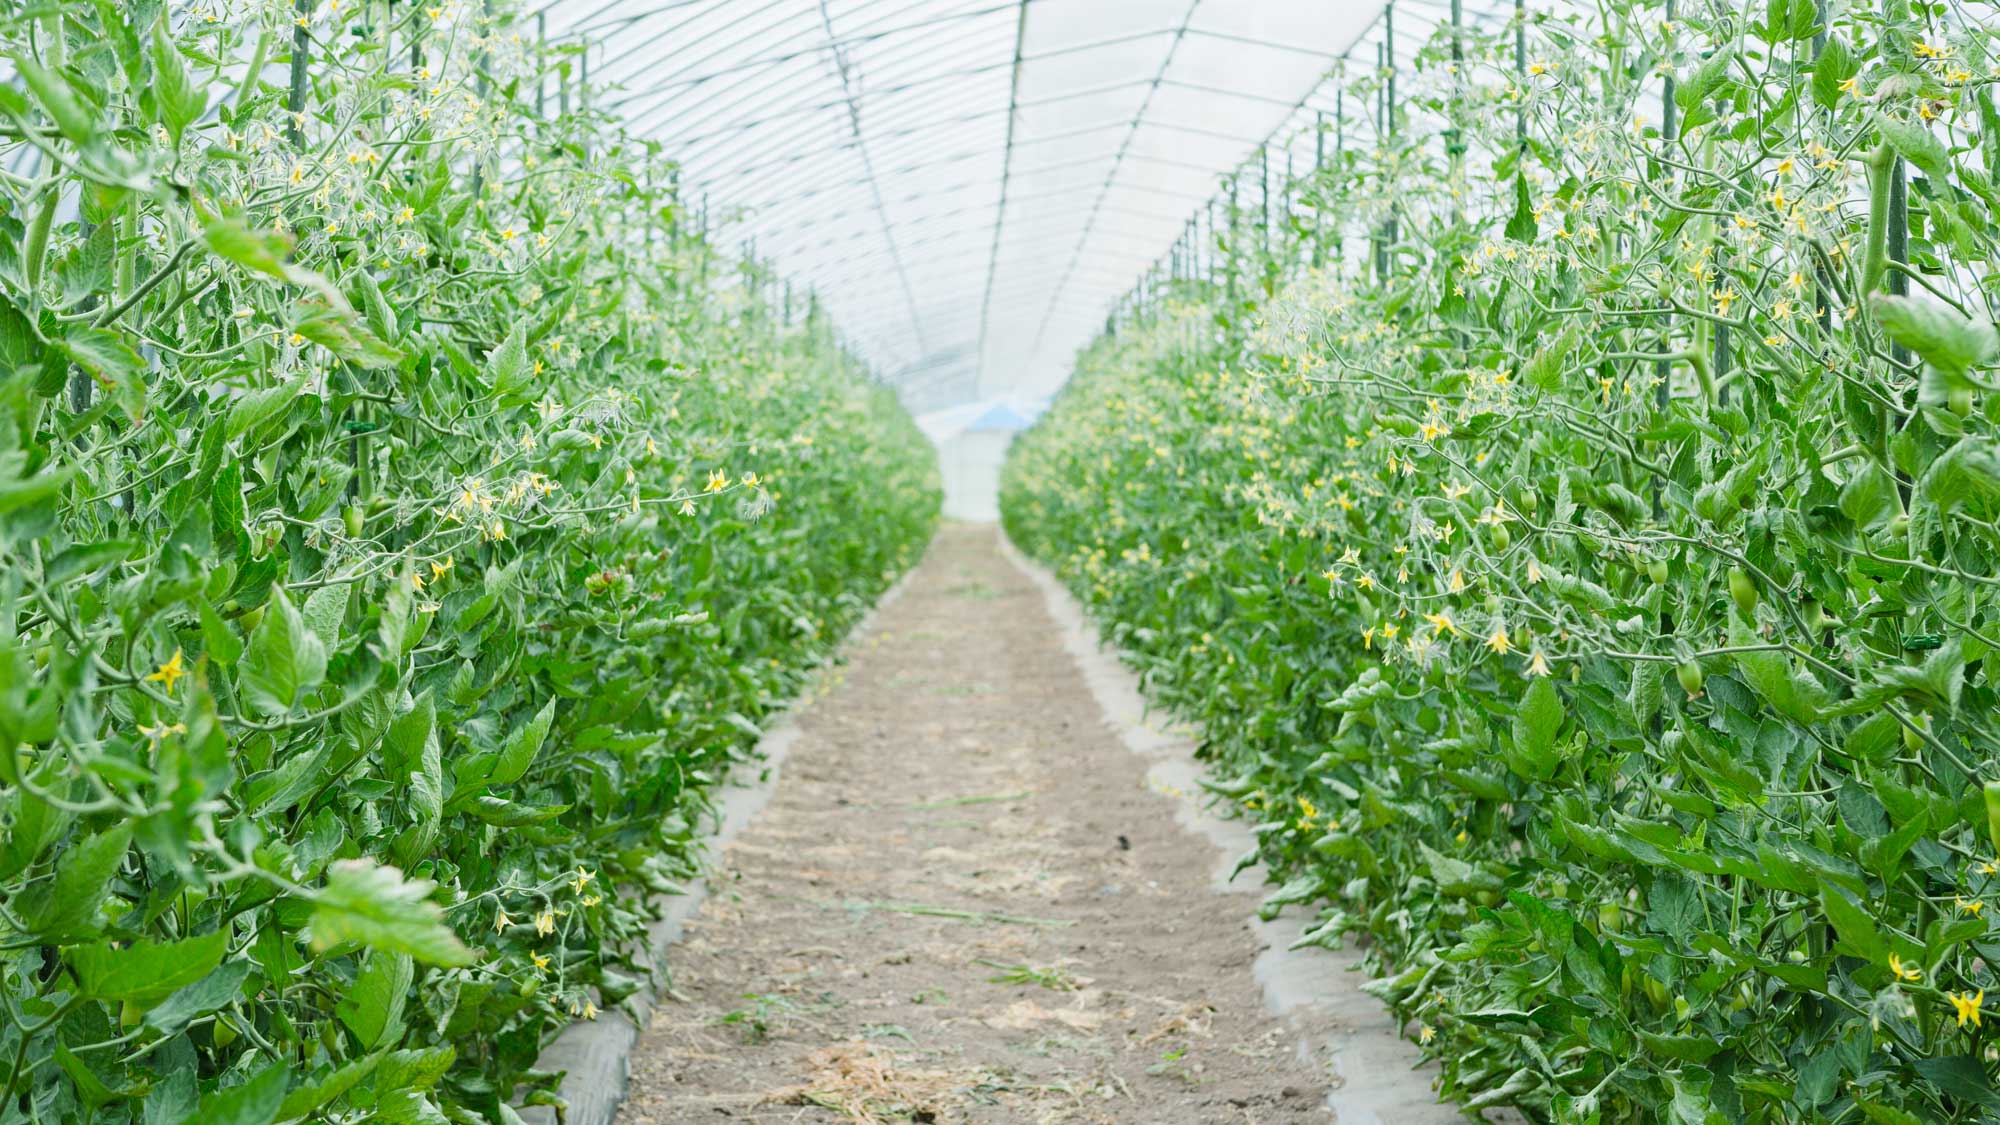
x,y
968,185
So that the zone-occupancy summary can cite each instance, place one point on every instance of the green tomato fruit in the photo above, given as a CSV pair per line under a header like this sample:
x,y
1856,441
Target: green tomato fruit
x,y
1744,591
1961,402
352,517
1691,677
1913,740
1658,571
1813,614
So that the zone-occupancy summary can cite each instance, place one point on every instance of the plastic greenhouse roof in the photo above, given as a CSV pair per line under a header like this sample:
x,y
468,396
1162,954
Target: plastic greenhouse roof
x,y
967,185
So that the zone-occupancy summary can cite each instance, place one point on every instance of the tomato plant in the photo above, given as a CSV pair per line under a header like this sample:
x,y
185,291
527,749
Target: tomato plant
x,y
1577,542
405,518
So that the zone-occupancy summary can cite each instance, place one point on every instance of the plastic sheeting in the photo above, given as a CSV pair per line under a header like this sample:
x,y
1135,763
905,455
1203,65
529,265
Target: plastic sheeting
x,y
967,185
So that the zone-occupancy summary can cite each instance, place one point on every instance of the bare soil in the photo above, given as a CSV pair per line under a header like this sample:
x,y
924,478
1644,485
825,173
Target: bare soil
x,y
964,904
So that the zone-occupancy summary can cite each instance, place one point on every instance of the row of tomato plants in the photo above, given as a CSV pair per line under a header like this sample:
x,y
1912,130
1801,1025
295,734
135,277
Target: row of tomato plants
x,y
1576,543
406,518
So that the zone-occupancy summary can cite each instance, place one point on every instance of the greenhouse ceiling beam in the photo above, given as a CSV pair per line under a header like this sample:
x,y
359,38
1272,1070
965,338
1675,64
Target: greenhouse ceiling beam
x,y
684,58
778,98
860,289
1006,182
1077,48
612,63
784,134
882,211
1153,216
1117,163
968,118
785,208
671,84
663,91
833,242
847,272
844,188
763,103
802,155
1053,193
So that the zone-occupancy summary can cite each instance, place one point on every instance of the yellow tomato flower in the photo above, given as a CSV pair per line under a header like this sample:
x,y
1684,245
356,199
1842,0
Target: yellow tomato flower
x,y
1903,972
1967,1005
170,672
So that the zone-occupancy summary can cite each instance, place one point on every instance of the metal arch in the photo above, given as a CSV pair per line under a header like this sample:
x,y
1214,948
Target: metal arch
x,y
848,272
1076,48
715,108
1006,182
842,188
674,86
790,134
820,248
1124,146
1057,193
855,39
888,232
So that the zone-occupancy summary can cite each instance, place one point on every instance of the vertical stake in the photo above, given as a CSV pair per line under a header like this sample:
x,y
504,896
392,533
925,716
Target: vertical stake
x,y
295,101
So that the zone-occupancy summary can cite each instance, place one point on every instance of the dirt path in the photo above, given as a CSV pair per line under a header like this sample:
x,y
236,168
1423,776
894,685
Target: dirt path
x,y
964,905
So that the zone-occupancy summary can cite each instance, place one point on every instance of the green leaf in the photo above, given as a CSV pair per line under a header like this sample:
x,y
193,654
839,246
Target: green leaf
x,y
373,1008
1947,341
521,747
1856,933
145,973
58,100
1456,877
206,995
178,99
1521,225
86,558
1536,723
374,906
107,357
260,251
341,333
284,660
324,609
255,407
310,1096
1914,143
507,365
66,909
255,1102
1705,81
1967,473
509,814
1836,65
223,645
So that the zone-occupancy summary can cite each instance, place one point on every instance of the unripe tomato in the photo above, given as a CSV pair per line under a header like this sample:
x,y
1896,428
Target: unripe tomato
x,y
1658,571
1500,537
1961,401
1743,590
1691,677
1813,614
351,516
1913,740
1656,992
224,1032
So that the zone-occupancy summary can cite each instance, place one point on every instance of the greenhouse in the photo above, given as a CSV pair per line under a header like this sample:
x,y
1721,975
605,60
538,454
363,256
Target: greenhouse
x,y
603,562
